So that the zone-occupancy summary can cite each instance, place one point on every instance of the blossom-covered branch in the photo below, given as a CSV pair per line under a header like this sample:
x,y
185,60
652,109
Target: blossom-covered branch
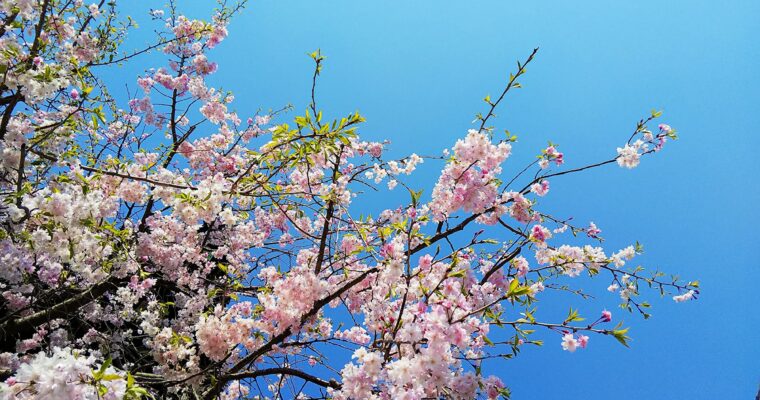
x,y
162,243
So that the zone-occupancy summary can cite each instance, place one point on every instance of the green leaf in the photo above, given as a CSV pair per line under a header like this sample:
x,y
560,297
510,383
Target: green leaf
x,y
573,316
457,274
415,197
620,335
98,375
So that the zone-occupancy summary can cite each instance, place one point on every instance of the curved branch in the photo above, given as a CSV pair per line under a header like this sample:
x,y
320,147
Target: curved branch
x,y
284,371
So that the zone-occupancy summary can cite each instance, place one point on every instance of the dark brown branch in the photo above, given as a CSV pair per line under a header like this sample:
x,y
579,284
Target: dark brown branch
x,y
27,325
285,371
510,85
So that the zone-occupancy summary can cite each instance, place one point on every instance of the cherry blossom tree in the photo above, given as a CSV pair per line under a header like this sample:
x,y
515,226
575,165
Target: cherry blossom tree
x,y
162,244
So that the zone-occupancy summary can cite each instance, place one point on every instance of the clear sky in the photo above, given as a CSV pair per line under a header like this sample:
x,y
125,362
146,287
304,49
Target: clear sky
x,y
418,69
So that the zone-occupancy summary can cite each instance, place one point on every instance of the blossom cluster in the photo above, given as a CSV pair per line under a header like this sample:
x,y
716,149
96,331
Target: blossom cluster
x,y
468,181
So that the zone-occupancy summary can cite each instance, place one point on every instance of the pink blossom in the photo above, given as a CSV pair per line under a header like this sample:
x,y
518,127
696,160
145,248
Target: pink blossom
x,y
684,297
521,265
215,111
569,343
540,188
628,156
592,231
552,154
539,234
356,334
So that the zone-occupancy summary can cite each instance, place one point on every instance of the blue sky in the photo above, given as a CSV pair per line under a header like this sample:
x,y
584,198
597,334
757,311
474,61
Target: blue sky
x,y
418,71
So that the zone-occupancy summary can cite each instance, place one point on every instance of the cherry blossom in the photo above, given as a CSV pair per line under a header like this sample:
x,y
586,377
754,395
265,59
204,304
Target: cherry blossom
x,y
167,243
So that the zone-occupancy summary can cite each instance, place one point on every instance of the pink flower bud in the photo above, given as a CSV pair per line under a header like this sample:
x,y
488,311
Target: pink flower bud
x,y
665,128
